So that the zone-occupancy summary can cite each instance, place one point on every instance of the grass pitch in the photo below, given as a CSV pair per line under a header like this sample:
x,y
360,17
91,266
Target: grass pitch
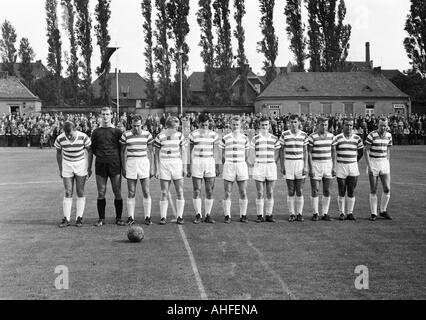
x,y
309,260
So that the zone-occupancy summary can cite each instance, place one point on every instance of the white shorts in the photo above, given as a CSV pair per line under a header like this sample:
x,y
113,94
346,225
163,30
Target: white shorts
x,y
379,166
203,167
74,168
344,170
294,169
322,170
171,169
137,168
265,171
235,170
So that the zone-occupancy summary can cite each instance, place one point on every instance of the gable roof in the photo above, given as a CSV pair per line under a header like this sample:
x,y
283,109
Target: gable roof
x,y
38,69
332,84
196,79
13,89
131,82
392,73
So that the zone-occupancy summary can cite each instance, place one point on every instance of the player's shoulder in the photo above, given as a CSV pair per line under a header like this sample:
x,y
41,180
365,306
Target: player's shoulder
x,y
313,135
227,136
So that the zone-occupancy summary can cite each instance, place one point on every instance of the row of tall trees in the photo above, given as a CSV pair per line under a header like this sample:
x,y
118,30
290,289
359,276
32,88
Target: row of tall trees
x,y
72,84
324,42
9,54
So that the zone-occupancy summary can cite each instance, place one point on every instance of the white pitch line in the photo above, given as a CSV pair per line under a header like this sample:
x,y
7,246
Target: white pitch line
x,y
194,265
191,256
28,182
284,287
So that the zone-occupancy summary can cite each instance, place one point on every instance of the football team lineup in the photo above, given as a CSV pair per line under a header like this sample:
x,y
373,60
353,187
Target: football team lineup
x,y
138,156
254,250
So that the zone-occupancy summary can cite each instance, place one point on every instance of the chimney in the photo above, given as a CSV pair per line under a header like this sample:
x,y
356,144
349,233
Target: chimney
x,y
367,52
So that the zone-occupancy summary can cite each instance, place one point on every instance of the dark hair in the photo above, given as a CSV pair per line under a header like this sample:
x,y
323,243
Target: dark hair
x,y
203,117
347,119
106,108
68,126
294,117
236,118
137,117
322,120
263,119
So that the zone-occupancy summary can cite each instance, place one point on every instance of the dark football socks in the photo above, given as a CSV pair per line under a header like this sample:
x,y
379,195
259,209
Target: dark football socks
x,y
101,208
118,208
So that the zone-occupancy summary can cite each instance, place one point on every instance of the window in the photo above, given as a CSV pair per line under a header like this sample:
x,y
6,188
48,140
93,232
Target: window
x,y
399,108
326,108
369,109
305,107
348,108
14,109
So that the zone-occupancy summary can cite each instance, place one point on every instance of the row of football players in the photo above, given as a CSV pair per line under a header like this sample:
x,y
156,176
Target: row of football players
x,y
321,156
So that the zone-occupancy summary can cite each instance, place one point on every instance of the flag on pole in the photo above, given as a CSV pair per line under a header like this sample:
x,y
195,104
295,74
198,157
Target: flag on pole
x,y
108,53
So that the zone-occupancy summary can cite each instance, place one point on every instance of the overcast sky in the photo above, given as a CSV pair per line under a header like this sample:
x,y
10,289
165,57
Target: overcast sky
x,y
381,22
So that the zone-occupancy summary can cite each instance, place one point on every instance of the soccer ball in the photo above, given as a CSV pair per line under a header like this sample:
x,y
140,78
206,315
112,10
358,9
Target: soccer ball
x,y
135,234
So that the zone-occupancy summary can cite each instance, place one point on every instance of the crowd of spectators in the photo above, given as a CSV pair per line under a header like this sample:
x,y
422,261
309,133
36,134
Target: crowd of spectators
x,y
42,129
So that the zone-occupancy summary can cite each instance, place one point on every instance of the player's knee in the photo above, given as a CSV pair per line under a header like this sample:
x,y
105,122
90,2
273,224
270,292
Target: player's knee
x,y
269,195
386,190
68,194
259,195
80,193
326,193
209,193
146,194
196,193
350,193
227,195
179,194
131,194
314,192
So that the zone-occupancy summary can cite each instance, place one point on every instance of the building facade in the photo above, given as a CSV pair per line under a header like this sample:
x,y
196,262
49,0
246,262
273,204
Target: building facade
x,y
15,97
350,93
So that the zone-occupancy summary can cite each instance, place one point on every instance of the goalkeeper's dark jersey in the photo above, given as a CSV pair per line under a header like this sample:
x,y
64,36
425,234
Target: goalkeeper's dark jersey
x,y
106,144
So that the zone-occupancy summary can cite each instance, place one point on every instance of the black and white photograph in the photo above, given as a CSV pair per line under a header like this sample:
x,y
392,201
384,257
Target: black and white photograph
x,y
212,155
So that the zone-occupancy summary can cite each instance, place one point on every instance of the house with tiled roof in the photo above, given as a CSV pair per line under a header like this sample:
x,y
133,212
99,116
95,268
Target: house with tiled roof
x,y
131,88
254,85
350,93
38,69
15,97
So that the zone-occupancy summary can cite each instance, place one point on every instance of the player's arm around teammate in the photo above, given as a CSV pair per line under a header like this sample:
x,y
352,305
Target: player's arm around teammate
x,y
377,155
70,156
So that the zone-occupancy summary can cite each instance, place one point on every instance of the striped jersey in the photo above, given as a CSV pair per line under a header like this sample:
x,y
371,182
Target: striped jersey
x,y
347,148
203,144
293,144
235,147
169,144
321,146
136,146
379,144
264,147
73,151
